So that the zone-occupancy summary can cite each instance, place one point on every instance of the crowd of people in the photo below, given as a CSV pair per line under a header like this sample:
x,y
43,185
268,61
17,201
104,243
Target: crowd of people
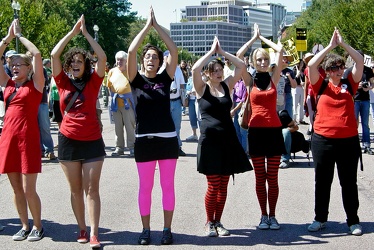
x,y
146,107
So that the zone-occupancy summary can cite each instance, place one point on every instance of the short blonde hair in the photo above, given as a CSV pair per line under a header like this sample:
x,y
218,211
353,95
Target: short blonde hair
x,y
259,51
121,55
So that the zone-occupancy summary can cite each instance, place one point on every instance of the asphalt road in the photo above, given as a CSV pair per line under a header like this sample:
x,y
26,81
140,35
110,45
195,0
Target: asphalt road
x,y
120,221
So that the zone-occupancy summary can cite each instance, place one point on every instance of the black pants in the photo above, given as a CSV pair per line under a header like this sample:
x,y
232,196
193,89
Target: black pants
x,y
345,153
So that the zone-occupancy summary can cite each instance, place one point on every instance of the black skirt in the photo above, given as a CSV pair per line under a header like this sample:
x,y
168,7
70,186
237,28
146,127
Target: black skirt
x,y
266,141
151,148
74,150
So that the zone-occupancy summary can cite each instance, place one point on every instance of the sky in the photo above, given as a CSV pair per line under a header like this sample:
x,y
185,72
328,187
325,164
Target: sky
x,y
166,14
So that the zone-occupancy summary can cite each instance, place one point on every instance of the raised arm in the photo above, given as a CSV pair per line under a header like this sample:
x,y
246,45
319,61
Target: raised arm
x,y
278,49
101,57
318,58
37,61
198,82
172,61
239,67
59,48
3,44
132,66
358,67
248,44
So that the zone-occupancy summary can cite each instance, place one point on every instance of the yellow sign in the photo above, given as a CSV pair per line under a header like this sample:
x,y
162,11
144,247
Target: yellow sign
x,y
302,45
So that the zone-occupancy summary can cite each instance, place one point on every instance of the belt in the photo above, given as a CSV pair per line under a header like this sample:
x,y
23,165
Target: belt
x,y
175,99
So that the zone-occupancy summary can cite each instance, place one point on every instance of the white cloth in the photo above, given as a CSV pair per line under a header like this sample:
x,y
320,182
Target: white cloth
x,y
176,84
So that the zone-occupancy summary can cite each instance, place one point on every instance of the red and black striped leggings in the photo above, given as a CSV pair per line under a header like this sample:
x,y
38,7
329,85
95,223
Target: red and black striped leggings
x,y
269,174
215,197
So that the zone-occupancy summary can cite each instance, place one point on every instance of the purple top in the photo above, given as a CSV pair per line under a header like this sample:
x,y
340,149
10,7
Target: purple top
x,y
240,92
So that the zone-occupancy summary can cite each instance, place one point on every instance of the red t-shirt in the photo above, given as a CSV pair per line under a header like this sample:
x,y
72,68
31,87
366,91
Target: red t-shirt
x,y
81,122
335,117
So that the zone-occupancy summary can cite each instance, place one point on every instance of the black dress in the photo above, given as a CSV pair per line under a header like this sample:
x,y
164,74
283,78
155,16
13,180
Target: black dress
x,y
219,151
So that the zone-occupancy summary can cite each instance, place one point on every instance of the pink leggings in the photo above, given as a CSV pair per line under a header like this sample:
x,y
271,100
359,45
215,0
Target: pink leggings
x,y
146,171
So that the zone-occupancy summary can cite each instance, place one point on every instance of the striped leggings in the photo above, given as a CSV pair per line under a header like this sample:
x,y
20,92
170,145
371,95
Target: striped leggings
x,y
267,174
215,197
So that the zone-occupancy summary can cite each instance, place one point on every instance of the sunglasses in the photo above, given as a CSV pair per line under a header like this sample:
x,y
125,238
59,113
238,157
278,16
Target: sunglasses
x,y
336,67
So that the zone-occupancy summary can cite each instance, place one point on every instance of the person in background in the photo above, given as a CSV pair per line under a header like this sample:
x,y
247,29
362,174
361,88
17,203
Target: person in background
x,y
298,93
156,137
122,105
288,126
335,139
186,74
104,87
362,103
215,161
238,98
20,138
229,68
289,79
192,114
81,148
6,66
371,92
176,100
55,98
265,139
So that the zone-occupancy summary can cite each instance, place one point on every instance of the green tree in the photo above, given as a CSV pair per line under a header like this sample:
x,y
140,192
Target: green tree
x,y
353,18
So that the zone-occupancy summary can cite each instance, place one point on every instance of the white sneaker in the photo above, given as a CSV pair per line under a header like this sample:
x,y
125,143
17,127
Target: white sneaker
x,y
283,164
221,230
192,138
210,230
356,229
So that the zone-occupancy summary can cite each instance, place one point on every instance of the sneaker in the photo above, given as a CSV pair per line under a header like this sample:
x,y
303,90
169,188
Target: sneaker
x,y
303,122
181,153
210,230
221,230
35,235
274,223
145,237
117,152
51,156
82,237
167,237
368,151
264,223
283,164
132,153
21,234
94,242
316,226
308,132
192,138
356,229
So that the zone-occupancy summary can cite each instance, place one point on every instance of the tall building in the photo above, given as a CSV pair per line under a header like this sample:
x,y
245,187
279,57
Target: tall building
x,y
306,4
230,20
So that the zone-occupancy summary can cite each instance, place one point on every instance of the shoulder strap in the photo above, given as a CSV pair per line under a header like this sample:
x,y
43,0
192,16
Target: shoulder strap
x,y
74,97
10,98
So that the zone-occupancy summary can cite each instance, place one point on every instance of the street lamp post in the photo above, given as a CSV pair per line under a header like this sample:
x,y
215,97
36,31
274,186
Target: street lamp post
x,y
96,29
16,8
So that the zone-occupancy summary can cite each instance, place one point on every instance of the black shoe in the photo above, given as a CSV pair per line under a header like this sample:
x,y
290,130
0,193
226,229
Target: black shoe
x,y
145,237
304,123
308,132
181,153
167,237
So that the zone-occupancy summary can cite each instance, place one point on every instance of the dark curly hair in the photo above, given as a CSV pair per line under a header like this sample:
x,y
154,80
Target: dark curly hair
x,y
332,60
155,48
68,58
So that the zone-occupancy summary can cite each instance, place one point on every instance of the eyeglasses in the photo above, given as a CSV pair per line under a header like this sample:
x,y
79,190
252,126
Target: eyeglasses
x,y
149,56
336,67
18,65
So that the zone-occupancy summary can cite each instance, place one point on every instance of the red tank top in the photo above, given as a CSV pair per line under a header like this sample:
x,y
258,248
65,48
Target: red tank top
x,y
263,104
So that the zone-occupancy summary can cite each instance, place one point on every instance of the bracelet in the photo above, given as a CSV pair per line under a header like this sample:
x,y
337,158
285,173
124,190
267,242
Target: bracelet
x,y
4,42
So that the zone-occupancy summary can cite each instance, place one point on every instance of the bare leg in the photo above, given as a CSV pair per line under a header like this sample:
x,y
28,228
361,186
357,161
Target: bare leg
x,y
73,173
33,200
91,184
19,198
